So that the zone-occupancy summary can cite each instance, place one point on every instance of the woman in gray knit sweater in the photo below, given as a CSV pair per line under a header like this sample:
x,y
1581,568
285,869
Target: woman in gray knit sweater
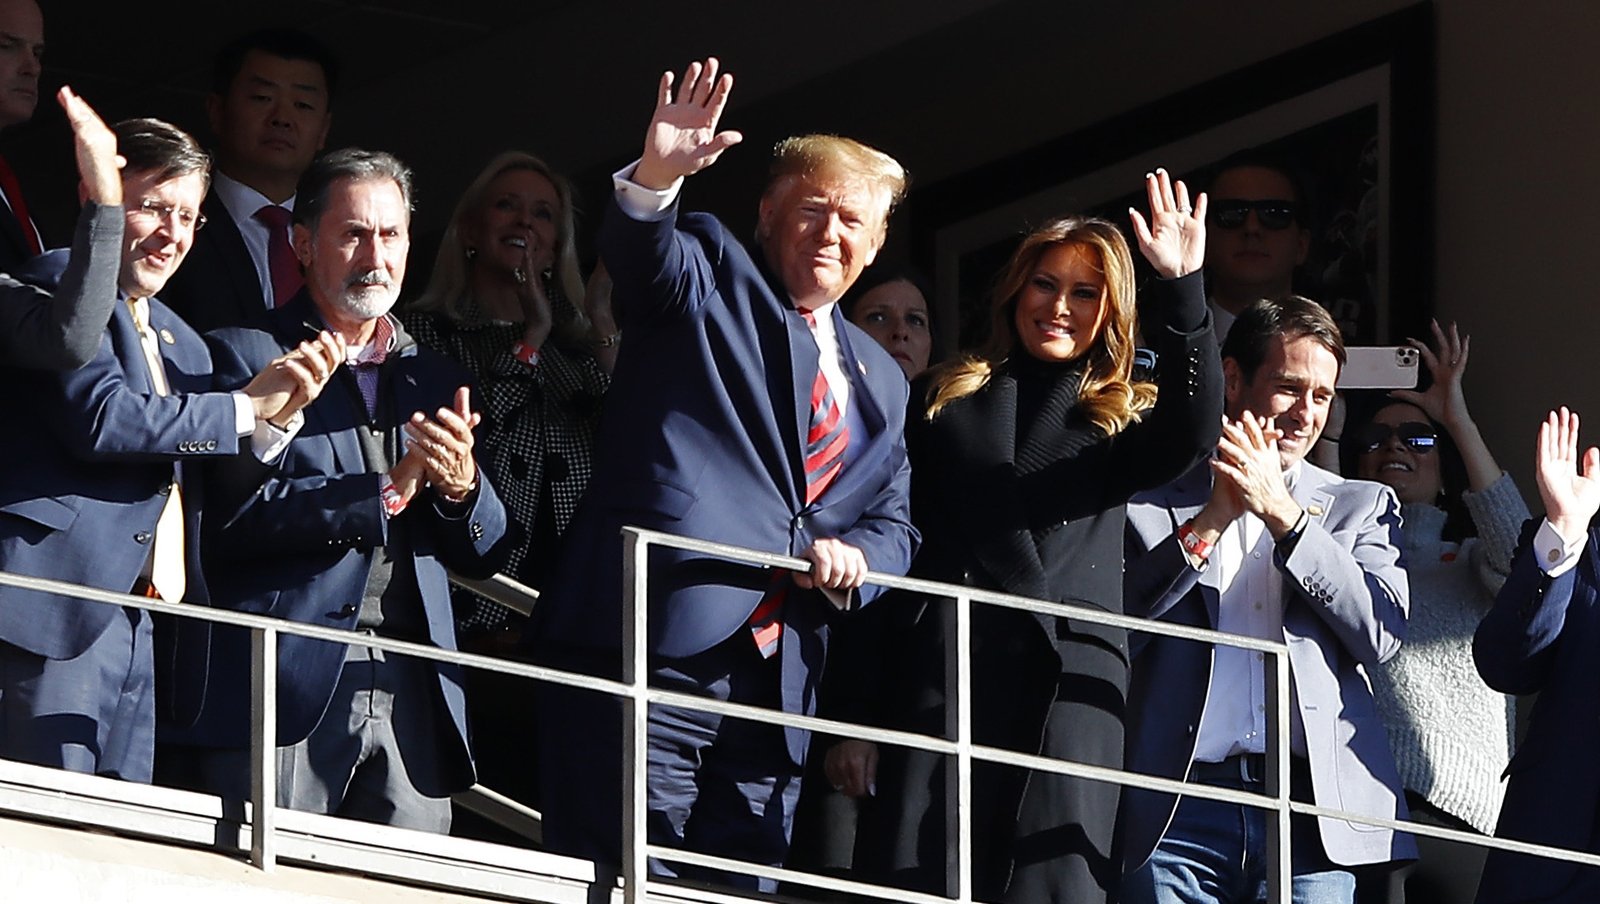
x,y
1451,735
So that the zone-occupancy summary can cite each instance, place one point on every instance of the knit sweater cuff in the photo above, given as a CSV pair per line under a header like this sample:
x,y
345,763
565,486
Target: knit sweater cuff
x,y
1499,513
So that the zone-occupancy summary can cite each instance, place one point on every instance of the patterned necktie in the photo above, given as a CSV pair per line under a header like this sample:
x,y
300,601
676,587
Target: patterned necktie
x,y
19,207
826,440
166,564
828,435
281,262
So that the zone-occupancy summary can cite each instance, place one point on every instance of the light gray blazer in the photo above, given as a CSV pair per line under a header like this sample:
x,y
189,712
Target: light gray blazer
x,y
1345,602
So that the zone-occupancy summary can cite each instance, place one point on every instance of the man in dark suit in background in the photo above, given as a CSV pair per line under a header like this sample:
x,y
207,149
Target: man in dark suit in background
x,y
97,491
1541,637
21,55
353,528
269,108
744,409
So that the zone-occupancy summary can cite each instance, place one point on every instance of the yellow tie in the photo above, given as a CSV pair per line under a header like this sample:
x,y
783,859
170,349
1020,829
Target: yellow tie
x,y
166,554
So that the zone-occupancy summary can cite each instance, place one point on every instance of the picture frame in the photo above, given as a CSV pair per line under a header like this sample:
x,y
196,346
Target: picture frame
x,y
1354,111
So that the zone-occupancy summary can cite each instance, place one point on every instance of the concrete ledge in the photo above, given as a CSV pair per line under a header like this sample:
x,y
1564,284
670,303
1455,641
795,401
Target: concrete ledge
x,y
44,863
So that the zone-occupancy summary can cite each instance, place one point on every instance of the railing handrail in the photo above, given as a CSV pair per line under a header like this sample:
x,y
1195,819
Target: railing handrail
x,y
931,743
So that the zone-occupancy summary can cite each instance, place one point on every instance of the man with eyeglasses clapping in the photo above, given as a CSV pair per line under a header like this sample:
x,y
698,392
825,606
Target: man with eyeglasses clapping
x,y
95,481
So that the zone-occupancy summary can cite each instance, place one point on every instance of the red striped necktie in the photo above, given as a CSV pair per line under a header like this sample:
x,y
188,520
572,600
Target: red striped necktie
x,y
826,440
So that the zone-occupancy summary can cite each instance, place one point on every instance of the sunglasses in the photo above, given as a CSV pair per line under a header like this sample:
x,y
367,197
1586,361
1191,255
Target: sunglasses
x,y
1419,438
1231,213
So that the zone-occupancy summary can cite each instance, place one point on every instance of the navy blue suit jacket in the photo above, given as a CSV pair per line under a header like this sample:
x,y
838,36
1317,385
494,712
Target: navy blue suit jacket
x,y
702,435
218,286
296,540
82,488
1541,637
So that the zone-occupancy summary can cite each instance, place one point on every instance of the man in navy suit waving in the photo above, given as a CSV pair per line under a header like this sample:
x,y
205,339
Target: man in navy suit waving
x,y
101,492
744,409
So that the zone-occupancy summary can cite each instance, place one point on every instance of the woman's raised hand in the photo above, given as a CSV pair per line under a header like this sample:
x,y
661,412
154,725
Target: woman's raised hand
x,y
1173,240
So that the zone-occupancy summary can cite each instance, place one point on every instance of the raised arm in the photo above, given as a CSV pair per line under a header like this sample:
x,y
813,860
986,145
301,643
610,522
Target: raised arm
x,y
1182,427
683,139
1518,640
63,332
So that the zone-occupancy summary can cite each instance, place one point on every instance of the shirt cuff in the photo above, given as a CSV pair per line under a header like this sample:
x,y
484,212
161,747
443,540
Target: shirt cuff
x,y
1555,554
268,440
646,205
244,414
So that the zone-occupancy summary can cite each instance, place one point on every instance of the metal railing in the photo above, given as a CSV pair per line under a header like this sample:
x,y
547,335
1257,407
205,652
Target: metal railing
x,y
637,696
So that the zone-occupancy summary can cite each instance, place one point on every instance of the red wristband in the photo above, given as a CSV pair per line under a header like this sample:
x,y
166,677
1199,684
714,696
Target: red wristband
x,y
1191,542
393,502
525,353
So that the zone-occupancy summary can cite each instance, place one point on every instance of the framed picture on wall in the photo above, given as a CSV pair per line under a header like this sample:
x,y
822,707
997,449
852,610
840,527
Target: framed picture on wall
x,y
1352,112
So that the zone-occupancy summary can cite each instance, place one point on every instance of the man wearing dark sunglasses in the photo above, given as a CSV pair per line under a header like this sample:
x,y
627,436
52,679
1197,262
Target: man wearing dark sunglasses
x,y
1257,234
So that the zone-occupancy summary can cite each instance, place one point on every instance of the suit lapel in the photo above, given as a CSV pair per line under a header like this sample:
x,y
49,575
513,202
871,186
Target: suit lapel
x,y
333,414
870,452
1311,491
233,258
125,340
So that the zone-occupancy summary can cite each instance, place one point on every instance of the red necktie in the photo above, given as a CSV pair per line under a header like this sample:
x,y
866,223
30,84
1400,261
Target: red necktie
x,y
281,262
19,206
825,444
828,436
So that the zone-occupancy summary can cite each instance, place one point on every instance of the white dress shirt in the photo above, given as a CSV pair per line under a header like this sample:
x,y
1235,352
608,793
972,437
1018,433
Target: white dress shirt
x,y
1555,554
1249,587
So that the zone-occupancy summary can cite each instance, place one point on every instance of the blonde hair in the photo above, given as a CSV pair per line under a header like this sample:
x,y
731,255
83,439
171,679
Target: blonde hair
x,y
833,154
447,289
1108,395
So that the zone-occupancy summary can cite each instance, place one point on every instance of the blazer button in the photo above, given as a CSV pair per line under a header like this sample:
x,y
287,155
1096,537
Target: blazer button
x,y
142,537
211,445
347,610
164,490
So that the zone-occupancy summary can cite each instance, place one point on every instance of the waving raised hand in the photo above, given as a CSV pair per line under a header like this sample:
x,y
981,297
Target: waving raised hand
x,y
1173,240
1568,483
683,137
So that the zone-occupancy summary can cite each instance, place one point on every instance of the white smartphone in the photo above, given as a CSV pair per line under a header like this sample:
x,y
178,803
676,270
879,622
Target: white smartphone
x,y
1379,367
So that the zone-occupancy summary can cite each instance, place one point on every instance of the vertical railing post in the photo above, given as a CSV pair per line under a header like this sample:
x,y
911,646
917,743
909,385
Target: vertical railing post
x,y
963,657
263,748
636,713
1280,870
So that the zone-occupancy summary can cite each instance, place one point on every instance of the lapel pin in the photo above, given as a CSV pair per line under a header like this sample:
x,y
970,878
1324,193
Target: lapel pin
x,y
863,366
1314,509
168,338
410,379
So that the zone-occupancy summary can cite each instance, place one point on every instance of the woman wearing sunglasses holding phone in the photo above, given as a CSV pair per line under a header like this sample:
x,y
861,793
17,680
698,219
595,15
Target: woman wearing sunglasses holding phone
x,y
1451,735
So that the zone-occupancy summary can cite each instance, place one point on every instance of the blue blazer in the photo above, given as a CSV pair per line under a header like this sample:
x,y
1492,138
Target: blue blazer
x,y
296,540
1541,637
82,488
702,435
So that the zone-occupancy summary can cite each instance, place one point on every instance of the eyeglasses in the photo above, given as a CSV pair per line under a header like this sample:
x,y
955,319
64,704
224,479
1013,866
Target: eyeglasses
x,y
1419,438
188,219
1230,213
